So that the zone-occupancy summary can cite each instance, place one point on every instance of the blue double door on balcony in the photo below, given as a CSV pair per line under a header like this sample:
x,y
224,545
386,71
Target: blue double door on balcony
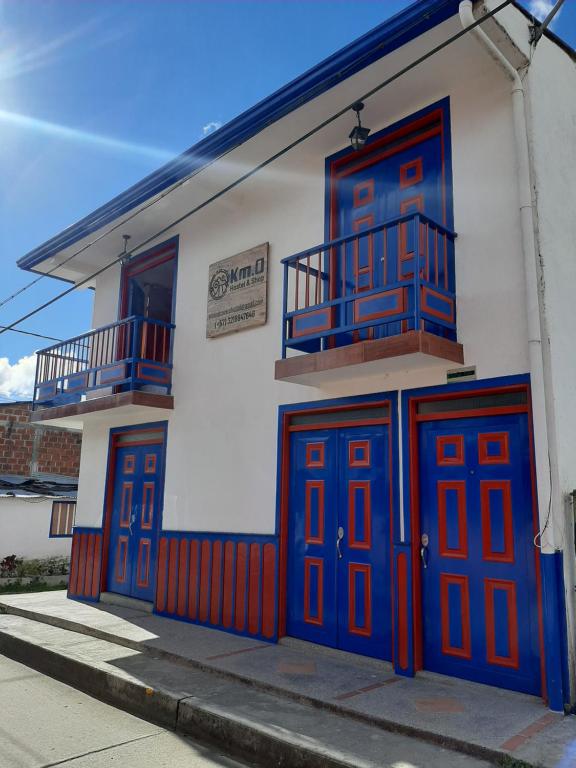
x,y
148,293
339,563
387,183
135,520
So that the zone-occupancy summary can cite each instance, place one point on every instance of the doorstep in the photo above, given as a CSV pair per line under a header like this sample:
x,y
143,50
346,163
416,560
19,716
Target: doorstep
x,y
475,719
122,601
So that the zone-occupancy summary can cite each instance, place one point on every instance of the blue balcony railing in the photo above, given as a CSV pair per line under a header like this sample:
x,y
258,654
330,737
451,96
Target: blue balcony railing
x,y
366,286
135,353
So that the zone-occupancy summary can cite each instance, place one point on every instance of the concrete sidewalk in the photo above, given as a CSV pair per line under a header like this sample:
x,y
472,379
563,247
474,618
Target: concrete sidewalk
x,y
46,723
292,679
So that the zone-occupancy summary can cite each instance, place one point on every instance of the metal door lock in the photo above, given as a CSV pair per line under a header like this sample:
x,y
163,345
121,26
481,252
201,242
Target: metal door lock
x,y
339,538
424,549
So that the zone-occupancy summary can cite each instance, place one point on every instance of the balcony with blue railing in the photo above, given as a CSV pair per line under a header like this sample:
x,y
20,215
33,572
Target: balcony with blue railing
x,y
105,368
385,295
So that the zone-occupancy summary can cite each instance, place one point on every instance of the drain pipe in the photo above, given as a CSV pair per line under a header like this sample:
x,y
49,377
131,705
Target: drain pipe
x,y
535,310
541,385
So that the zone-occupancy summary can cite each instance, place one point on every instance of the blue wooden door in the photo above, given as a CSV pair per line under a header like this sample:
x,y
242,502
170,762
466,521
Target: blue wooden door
x,y
479,596
312,609
363,554
135,521
339,539
404,182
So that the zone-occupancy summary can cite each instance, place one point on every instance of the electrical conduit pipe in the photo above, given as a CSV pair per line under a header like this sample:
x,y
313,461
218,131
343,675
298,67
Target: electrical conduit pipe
x,y
540,377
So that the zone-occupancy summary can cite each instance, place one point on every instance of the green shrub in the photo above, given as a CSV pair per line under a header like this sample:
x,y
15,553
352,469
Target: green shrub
x,y
12,566
33,586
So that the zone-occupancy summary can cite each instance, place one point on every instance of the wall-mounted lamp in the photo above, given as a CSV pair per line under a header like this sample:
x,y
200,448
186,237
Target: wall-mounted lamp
x,y
359,134
124,259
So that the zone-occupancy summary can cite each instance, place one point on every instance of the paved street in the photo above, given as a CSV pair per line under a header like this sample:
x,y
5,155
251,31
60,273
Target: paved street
x,y
44,723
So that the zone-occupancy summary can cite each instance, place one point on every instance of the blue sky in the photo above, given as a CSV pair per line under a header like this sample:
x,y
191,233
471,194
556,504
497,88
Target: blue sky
x,y
95,94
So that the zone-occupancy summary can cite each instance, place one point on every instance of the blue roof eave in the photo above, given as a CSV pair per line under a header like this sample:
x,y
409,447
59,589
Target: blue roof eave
x,y
380,41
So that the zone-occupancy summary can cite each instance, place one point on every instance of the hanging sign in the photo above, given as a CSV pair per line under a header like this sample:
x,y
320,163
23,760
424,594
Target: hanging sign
x,y
237,292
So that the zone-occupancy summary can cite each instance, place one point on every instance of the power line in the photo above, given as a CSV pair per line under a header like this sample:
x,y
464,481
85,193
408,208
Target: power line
x,y
121,223
538,29
264,164
30,333
151,202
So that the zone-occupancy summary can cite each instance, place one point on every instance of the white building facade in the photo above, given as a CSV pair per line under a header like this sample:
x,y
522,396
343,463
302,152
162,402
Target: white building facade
x,y
384,462
28,528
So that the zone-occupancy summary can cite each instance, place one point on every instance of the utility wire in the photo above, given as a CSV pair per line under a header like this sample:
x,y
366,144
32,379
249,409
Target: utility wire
x,y
538,29
154,200
30,333
261,165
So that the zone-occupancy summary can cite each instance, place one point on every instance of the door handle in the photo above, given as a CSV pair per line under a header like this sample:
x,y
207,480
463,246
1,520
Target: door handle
x,y
339,537
132,520
424,550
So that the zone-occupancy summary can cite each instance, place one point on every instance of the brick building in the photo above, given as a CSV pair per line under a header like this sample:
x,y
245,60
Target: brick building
x,y
39,468
32,449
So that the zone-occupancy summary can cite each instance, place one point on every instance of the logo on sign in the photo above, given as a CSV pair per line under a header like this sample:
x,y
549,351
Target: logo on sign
x,y
219,284
234,278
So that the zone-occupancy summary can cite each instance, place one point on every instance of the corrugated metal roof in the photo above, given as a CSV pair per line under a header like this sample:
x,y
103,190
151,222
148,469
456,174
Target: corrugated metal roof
x,y
53,486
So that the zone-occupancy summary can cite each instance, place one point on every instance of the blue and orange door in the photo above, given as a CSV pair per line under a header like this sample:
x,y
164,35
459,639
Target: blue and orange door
x,y
339,539
402,173
135,520
147,290
477,553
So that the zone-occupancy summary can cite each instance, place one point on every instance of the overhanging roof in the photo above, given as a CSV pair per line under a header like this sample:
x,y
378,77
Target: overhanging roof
x,y
393,33
380,41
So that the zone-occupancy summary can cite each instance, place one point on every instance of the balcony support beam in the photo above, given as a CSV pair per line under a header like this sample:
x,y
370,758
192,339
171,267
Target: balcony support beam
x,y
105,403
313,368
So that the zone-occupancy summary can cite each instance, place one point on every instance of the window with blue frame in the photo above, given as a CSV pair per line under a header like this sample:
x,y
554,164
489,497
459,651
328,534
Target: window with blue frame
x,y
62,518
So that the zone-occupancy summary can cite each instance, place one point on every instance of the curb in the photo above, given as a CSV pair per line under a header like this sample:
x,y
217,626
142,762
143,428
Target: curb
x,y
214,735
249,743
157,706
183,715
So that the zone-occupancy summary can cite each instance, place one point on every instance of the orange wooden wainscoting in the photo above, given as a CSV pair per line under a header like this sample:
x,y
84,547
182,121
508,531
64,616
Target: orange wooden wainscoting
x,y
85,564
227,581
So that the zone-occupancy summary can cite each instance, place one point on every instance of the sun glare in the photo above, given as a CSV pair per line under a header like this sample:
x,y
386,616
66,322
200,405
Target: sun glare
x,y
58,131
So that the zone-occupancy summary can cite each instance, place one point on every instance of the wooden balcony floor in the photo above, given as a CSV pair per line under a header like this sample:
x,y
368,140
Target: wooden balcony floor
x,y
411,350
123,400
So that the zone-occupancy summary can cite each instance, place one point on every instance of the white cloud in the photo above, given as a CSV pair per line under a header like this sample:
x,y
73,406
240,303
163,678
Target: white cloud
x,y
210,127
17,379
541,8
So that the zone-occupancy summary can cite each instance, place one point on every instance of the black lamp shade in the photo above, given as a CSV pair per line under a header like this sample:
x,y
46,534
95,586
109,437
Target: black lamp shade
x,y
358,136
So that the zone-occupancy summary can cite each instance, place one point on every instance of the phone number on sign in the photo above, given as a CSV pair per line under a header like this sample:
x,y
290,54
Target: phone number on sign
x,y
233,319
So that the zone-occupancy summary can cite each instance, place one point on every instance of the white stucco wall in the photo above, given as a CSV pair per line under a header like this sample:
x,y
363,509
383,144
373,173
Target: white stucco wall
x,y
106,297
24,529
552,87
221,453
93,463
552,91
